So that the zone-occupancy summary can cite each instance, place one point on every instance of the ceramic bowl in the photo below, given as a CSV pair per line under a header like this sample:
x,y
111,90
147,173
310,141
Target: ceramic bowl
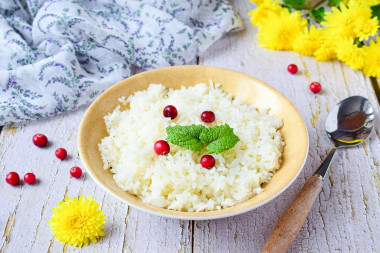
x,y
252,91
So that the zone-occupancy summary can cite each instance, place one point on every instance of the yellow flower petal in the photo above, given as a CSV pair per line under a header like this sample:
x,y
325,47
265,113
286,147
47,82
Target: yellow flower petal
x,y
280,32
263,11
344,23
371,65
258,2
325,53
366,2
350,54
77,221
366,28
309,41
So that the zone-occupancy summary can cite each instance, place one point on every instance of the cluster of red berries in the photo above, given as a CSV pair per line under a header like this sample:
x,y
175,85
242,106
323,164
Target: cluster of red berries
x,y
41,140
315,87
161,147
13,178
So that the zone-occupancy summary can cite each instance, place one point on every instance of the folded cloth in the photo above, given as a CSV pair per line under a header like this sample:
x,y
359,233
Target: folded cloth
x,y
58,54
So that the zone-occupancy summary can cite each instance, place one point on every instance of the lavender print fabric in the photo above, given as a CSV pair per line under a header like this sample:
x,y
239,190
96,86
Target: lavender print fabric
x,y
56,55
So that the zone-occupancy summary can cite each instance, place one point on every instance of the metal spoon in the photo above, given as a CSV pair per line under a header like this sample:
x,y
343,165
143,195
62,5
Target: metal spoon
x,y
349,123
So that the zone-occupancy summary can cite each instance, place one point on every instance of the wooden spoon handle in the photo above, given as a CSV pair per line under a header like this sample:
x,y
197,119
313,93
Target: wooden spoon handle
x,y
292,220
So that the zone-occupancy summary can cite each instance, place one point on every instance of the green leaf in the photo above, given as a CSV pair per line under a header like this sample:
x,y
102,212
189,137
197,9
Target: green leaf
x,y
334,2
194,137
185,136
287,7
220,138
376,11
296,4
222,144
193,130
213,133
318,14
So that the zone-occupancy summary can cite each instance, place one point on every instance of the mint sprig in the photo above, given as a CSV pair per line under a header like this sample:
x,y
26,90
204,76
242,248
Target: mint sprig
x,y
225,141
195,137
186,136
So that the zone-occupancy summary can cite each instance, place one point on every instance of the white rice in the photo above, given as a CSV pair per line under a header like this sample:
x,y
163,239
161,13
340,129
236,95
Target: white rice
x,y
177,181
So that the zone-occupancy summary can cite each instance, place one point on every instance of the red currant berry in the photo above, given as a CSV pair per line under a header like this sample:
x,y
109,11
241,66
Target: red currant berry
x,y
207,161
12,178
61,153
315,87
161,147
40,140
170,112
208,116
29,178
76,172
292,68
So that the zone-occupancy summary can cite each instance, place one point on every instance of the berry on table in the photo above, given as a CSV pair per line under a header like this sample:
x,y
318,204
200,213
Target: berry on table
x,y
207,161
161,147
208,116
12,178
76,172
315,87
29,178
292,68
170,112
40,140
61,153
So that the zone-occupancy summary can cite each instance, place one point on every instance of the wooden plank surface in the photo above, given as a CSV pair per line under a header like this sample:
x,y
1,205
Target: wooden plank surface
x,y
27,208
346,217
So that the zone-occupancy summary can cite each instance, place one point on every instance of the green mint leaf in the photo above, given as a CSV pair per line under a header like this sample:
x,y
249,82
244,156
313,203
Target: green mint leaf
x,y
376,11
211,134
296,4
194,137
222,144
318,14
220,138
334,2
192,130
185,136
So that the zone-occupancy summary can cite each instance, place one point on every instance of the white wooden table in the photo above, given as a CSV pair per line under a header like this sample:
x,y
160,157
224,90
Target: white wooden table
x,y
345,217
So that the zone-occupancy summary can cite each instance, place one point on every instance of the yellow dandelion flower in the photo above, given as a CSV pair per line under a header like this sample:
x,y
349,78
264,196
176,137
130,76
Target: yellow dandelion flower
x,y
373,2
371,65
257,2
326,52
308,42
281,31
77,221
344,22
366,2
350,54
261,13
366,28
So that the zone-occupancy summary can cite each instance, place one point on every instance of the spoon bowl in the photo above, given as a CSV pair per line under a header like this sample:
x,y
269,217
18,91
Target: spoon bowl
x,y
350,122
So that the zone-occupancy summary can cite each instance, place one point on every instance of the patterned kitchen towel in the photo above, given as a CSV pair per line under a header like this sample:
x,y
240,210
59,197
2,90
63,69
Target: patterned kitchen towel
x,y
58,54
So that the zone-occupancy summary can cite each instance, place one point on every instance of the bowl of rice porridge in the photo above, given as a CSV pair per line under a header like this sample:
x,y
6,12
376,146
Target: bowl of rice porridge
x,y
193,142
